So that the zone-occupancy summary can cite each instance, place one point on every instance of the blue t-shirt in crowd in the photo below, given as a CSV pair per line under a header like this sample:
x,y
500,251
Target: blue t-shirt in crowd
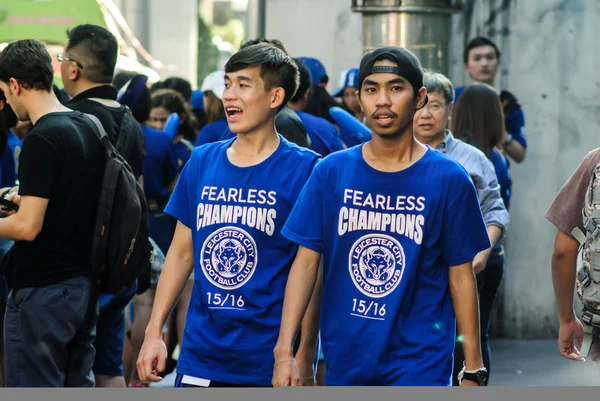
x,y
212,132
9,161
182,150
160,164
388,241
323,135
241,260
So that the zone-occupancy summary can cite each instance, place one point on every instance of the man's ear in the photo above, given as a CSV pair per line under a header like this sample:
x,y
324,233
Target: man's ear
x,y
277,97
14,86
357,94
305,98
422,98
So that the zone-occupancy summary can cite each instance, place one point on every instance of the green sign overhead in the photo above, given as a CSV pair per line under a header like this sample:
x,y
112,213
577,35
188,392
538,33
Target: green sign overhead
x,y
46,20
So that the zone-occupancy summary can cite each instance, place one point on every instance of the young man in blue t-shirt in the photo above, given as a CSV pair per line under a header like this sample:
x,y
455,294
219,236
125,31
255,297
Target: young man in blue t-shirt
x,y
231,201
398,225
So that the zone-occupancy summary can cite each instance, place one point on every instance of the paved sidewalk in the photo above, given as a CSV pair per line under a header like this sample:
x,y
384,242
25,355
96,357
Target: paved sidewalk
x,y
538,363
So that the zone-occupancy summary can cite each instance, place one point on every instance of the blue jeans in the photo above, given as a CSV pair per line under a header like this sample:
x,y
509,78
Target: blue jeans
x,y
49,334
488,282
110,332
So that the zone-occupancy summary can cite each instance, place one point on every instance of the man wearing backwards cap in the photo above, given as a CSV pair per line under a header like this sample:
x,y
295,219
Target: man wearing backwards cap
x,y
397,262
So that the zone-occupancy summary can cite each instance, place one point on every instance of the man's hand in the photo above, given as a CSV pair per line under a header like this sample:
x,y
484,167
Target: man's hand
x,y
152,360
567,334
468,383
285,373
11,197
306,370
480,260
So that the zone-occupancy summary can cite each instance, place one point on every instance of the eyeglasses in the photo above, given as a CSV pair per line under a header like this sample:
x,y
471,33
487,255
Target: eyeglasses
x,y
435,107
61,57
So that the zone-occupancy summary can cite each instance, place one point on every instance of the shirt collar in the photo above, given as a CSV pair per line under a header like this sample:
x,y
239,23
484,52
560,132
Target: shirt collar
x,y
447,143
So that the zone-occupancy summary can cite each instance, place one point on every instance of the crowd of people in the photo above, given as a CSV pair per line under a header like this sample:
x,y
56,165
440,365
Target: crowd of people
x,y
283,254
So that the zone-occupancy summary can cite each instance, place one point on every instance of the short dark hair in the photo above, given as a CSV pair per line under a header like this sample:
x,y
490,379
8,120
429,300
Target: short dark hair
x,y
29,62
305,80
121,78
100,46
274,42
180,85
277,69
141,108
478,42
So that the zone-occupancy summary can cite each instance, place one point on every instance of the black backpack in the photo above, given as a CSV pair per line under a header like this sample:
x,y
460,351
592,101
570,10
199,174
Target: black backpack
x,y
121,247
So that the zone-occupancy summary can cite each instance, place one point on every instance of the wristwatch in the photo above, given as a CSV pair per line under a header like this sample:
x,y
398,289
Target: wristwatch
x,y
478,376
508,140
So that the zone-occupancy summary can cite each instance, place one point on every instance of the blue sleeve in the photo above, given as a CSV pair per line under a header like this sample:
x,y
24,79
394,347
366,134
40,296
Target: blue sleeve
x,y
208,134
515,125
179,203
304,226
464,233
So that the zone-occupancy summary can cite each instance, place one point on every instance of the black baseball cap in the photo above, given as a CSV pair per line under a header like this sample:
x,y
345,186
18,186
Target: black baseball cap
x,y
408,65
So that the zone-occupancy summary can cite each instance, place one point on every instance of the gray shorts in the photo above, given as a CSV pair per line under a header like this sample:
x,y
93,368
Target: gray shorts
x,y
49,334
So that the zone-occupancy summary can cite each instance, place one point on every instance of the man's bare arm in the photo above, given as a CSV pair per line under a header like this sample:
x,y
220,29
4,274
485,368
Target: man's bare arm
x,y
26,224
463,287
564,270
299,290
309,330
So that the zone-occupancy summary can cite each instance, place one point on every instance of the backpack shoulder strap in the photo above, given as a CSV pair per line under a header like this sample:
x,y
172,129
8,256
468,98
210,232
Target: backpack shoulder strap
x,y
104,139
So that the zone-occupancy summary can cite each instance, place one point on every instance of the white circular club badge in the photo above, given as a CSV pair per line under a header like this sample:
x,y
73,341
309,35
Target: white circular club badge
x,y
376,264
228,258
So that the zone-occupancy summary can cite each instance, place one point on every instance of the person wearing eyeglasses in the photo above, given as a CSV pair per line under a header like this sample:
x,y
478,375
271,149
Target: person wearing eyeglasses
x,y
430,128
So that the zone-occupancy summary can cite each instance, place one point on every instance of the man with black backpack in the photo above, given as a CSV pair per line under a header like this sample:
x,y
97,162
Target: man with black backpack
x,y
87,70
52,308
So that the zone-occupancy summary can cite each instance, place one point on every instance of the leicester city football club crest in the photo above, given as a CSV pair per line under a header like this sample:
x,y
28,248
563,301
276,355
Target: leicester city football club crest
x,y
228,258
376,264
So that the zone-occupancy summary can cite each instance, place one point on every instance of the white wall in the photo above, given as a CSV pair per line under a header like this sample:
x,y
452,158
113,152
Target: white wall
x,y
173,36
324,29
168,30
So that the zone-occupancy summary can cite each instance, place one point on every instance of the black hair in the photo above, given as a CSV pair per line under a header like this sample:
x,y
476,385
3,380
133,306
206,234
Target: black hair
x,y
277,69
8,119
141,108
305,81
98,45
173,102
8,115
180,85
158,85
274,42
319,103
478,42
29,62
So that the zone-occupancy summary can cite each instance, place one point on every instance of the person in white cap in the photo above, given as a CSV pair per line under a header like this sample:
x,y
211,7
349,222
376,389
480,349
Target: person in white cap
x,y
212,88
347,93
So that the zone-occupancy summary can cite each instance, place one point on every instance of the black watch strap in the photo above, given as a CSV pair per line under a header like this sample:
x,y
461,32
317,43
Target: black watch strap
x,y
478,377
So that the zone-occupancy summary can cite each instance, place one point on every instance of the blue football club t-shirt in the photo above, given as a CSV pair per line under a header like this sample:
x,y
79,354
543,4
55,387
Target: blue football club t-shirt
x,y
212,132
241,259
160,164
9,161
388,240
323,134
